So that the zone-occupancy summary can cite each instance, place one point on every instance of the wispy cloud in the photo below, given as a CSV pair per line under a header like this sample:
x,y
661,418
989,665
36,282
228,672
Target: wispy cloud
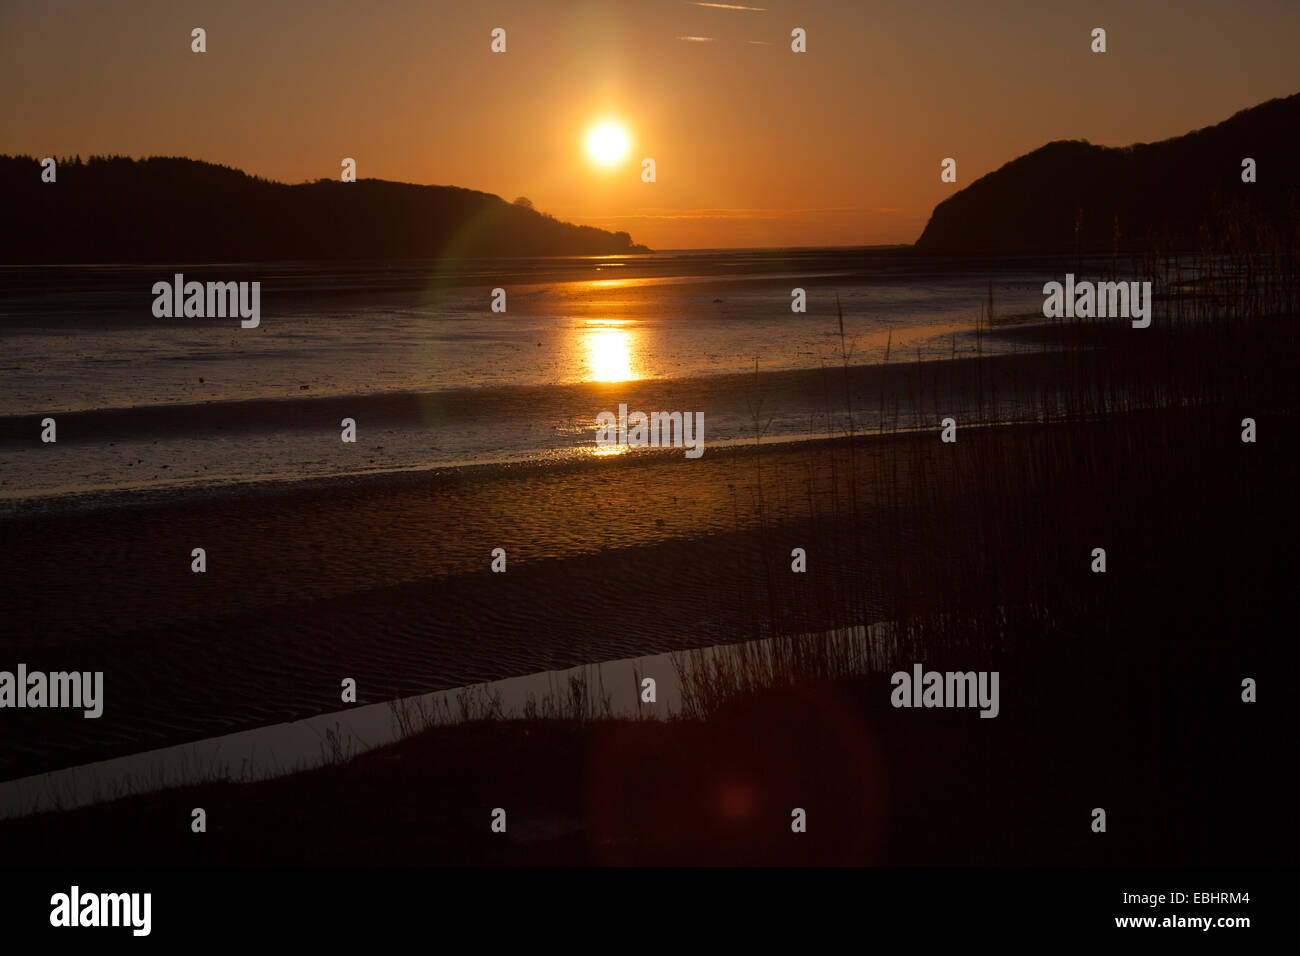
x,y
765,215
727,6
697,39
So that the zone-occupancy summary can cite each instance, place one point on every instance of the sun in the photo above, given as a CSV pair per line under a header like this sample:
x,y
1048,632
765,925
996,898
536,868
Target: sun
x,y
607,143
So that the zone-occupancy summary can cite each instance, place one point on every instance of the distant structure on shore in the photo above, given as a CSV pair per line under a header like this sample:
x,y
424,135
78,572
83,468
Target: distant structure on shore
x,y
1071,196
117,209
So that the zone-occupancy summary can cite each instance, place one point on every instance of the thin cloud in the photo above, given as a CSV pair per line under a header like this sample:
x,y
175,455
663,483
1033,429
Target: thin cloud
x,y
727,6
697,39
758,215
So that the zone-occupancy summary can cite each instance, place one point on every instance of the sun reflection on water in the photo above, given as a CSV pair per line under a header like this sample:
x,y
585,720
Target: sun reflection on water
x,y
609,351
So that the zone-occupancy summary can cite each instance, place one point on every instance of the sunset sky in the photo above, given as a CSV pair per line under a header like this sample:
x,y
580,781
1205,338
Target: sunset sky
x,y
755,145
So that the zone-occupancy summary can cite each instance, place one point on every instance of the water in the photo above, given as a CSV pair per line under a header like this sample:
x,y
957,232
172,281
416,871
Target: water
x,y
432,376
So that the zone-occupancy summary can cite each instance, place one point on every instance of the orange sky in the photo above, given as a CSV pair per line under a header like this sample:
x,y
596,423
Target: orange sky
x,y
755,145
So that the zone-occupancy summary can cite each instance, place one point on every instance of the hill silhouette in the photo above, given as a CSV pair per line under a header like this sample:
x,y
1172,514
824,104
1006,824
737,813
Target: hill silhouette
x,y
1072,196
117,209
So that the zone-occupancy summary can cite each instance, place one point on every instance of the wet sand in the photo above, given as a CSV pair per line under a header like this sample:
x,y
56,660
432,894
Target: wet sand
x,y
385,580
1124,694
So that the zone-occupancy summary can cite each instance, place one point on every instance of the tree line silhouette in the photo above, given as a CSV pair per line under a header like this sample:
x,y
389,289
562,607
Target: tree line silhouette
x,y
1071,196
170,209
